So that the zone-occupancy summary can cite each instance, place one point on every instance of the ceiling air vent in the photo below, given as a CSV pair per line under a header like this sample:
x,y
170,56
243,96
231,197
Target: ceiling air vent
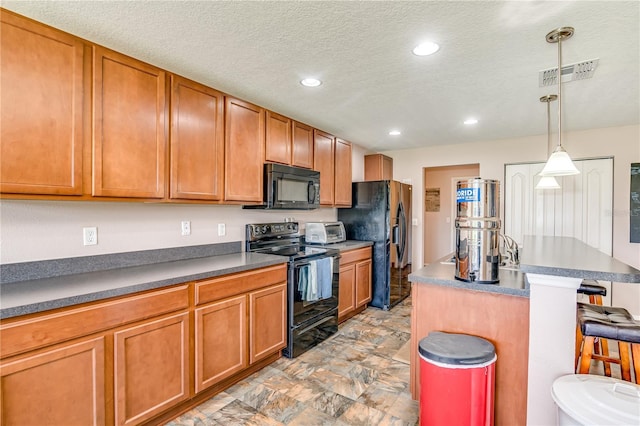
x,y
579,71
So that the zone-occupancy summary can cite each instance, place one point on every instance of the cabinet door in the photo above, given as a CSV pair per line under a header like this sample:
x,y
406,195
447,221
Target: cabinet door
x,y
244,151
129,140
220,340
363,283
302,145
323,162
197,141
62,386
342,174
151,368
278,139
268,319
378,167
346,295
41,75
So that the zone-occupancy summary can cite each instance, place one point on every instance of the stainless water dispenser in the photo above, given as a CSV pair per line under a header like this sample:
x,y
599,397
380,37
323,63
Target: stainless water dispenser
x,y
477,230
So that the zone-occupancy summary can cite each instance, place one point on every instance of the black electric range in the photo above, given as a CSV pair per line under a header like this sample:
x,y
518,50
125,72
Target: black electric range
x,y
312,283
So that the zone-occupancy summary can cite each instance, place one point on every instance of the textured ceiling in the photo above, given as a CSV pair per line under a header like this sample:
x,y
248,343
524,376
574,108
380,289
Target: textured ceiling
x,y
487,67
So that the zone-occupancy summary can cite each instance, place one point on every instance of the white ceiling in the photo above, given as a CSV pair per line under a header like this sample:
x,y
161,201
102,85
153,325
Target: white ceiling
x,y
487,67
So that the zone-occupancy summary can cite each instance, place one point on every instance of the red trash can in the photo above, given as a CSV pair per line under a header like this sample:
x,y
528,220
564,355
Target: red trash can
x,y
457,380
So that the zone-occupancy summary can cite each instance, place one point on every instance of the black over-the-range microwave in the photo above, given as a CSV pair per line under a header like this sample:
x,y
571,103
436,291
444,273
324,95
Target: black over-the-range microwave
x,y
289,188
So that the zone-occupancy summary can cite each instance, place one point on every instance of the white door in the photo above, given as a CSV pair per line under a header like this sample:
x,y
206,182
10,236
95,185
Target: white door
x,y
581,208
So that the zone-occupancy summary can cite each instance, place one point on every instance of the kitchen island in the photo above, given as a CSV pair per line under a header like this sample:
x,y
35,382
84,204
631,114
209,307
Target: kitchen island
x,y
529,316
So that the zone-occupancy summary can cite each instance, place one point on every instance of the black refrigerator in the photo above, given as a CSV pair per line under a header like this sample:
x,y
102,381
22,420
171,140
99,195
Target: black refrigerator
x,y
381,212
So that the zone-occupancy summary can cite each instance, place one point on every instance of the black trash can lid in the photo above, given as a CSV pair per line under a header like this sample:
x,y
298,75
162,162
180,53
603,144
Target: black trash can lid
x,y
456,349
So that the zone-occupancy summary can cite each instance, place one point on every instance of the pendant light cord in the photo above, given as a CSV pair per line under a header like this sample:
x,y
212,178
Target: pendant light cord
x,y
549,126
559,90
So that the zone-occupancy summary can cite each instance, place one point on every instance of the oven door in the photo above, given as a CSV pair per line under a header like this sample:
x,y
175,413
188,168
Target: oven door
x,y
305,305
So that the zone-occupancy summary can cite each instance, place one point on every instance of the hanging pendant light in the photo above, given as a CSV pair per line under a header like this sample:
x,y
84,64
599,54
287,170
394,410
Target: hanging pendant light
x,y
548,182
559,163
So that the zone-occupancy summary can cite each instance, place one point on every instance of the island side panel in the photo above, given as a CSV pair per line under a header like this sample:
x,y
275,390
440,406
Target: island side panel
x,y
499,318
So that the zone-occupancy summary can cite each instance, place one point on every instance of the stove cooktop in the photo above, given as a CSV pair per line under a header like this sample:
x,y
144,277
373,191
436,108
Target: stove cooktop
x,y
294,251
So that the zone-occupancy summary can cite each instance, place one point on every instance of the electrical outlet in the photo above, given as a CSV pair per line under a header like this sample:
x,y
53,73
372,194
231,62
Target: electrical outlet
x,y
186,227
222,229
90,236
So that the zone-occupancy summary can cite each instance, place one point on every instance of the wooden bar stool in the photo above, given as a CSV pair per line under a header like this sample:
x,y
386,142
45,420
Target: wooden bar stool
x,y
608,323
594,290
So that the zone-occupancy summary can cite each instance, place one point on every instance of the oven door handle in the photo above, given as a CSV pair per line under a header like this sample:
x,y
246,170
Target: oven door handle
x,y
315,324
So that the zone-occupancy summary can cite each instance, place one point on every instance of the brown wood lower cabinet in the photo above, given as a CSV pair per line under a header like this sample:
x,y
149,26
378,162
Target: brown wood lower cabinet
x,y
268,319
221,340
355,282
151,368
63,385
130,360
243,321
500,318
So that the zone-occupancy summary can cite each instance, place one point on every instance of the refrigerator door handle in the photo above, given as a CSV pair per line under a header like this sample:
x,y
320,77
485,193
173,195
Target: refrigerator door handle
x,y
394,234
402,218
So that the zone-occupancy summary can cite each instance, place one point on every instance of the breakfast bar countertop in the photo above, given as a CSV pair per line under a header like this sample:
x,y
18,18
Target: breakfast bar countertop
x,y
558,256
570,257
442,272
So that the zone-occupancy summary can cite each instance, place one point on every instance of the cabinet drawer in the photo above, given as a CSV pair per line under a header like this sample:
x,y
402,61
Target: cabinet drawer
x,y
32,333
231,285
355,255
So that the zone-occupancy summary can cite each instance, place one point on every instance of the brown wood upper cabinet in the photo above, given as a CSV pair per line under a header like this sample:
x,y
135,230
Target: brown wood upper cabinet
x,y
302,145
332,158
378,167
342,196
278,139
42,108
197,141
129,139
323,162
244,151
288,142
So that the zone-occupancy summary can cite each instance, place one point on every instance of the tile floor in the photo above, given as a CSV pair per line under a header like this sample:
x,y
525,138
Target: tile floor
x,y
350,379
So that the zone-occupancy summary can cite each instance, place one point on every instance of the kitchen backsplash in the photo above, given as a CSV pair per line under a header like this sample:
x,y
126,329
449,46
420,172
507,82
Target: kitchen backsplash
x,y
42,230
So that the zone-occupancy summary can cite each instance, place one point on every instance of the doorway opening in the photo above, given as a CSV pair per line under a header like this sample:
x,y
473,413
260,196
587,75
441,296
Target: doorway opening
x,y
439,185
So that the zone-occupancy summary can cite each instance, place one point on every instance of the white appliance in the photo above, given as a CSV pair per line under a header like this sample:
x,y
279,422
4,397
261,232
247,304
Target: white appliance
x,y
324,232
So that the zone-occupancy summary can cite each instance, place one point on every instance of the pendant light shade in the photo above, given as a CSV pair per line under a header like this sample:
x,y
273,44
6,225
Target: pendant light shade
x,y
559,163
548,182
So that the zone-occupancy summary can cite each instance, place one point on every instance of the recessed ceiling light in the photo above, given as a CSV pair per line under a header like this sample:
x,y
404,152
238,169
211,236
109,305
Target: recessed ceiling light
x,y
426,48
395,133
471,121
311,82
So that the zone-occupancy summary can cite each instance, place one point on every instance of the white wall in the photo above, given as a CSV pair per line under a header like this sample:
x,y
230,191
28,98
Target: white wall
x,y
39,230
357,163
623,143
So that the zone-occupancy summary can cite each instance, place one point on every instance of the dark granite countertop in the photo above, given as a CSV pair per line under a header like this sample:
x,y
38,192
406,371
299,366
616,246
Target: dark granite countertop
x,y
569,257
347,245
442,272
560,256
37,295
